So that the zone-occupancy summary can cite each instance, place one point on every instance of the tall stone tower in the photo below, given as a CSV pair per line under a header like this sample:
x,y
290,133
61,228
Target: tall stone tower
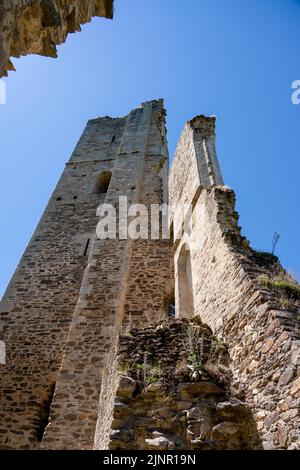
x,y
71,290
91,360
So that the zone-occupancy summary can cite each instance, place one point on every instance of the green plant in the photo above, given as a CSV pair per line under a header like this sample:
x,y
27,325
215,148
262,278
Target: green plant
x,y
285,302
127,334
151,379
194,343
123,368
150,374
282,284
195,367
163,324
154,373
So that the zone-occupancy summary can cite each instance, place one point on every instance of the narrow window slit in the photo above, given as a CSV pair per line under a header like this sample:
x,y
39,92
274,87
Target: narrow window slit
x,y
86,247
102,182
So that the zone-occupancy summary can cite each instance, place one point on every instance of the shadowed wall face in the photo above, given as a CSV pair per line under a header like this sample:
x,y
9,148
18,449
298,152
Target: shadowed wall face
x,y
71,290
125,280
262,336
38,306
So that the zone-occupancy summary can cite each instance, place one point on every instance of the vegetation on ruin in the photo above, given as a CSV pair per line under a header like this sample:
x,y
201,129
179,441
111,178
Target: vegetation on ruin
x,y
284,286
266,257
192,353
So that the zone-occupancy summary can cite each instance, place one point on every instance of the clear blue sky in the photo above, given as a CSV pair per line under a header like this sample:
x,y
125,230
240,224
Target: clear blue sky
x,y
232,58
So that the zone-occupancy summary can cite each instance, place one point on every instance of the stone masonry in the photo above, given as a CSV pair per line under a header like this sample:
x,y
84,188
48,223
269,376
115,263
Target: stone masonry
x,y
94,359
71,290
223,277
169,399
37,26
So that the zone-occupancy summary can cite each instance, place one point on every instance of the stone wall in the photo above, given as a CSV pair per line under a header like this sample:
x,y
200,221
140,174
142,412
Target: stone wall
x,y
37,26
72,290
228,294
196,161
173,392
122,278
38,305
73,295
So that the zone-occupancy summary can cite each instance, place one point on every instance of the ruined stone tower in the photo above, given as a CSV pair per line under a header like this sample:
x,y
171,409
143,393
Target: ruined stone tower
x,y
92,359
70,288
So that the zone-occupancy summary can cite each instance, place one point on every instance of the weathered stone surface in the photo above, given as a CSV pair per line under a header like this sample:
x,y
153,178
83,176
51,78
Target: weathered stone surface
x,y
271,419
282,434
267,346
295,387
156,388
218,277
191,389
234,410
63,308
183,413
286,376
73,295
224,430
37,26
159,443
127,386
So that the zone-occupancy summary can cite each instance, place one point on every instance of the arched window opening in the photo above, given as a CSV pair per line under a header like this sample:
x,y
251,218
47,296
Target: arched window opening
x,y
102,182
185,284
171,232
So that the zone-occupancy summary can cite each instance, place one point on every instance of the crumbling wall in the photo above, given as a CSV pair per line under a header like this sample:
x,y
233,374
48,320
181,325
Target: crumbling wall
x,y
150,277
37,26
173,392
107,293
38,306
261,333
69,301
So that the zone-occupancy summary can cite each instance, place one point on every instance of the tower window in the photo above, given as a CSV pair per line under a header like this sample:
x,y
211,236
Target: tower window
x,y
102,182
86,247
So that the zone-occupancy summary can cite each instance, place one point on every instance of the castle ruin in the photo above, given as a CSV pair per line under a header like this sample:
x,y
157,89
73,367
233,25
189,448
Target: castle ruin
x,y
95,358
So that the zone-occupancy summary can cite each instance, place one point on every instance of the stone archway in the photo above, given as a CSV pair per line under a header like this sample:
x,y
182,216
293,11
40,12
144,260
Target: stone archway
x,y
185,283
